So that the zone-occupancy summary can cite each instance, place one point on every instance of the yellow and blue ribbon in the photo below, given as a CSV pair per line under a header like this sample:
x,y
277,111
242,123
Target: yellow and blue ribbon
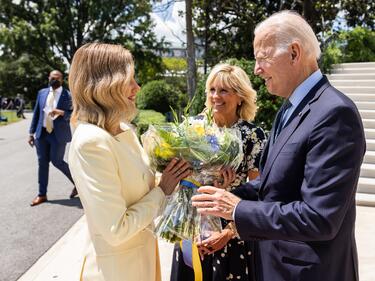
x,y
191,258
190,253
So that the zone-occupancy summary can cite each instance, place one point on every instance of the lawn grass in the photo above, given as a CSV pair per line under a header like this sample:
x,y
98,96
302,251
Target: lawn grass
x,y
10,115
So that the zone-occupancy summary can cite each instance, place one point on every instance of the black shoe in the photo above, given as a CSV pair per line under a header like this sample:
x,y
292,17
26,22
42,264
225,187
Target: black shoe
x,y
74,193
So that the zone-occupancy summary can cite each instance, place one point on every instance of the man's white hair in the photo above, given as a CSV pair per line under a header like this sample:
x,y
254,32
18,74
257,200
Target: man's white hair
x,y
288,27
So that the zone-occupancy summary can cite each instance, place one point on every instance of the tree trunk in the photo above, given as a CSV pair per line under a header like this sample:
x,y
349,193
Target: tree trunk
x,y
206,27
192,69
309,12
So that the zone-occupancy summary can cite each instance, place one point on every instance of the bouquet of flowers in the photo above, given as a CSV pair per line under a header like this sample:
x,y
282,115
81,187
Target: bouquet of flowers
x,y
207,148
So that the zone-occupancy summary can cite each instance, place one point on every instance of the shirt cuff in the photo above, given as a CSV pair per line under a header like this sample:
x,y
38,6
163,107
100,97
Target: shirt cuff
x,y
234,211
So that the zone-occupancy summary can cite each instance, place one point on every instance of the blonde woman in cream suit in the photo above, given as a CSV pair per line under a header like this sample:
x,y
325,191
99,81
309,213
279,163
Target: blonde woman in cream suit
x,y
111,170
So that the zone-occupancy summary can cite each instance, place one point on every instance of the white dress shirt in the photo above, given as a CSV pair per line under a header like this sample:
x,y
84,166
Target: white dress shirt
x,y
57,96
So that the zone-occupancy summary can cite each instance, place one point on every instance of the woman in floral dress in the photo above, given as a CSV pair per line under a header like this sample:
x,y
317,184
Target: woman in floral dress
x,y
233,103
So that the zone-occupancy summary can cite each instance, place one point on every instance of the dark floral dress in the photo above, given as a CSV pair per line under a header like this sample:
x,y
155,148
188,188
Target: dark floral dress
x,y
236,260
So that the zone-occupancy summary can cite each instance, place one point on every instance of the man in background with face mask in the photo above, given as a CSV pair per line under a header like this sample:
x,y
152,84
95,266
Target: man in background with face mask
x,y
50,132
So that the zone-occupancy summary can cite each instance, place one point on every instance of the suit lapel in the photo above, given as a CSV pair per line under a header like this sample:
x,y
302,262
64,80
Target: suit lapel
x,y
263,158
266,149
275,149
44,99
269,143
294,121
61,99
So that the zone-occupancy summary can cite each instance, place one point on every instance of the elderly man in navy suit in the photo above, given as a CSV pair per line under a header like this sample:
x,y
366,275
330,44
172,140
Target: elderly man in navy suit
x,y
304,215
51,127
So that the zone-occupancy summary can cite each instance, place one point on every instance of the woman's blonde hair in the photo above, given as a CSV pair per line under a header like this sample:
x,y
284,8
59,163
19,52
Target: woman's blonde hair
x,y
235,79
99,80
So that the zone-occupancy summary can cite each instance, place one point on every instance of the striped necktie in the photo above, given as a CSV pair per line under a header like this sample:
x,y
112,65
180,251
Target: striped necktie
x,y
280,122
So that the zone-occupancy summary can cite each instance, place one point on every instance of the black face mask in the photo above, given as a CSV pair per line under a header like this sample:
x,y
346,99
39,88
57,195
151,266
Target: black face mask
x,y
54,83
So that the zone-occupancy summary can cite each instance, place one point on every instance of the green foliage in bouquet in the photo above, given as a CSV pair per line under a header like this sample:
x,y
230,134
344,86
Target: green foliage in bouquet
x,y
196,141
178,222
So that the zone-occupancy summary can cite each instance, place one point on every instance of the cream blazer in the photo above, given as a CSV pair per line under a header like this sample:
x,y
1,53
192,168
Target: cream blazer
x,y
116,188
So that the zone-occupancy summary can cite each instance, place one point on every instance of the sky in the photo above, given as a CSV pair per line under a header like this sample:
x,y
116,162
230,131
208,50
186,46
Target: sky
x,y
168,23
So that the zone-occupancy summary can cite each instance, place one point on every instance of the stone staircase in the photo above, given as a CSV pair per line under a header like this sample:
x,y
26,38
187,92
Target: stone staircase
x,y
357,81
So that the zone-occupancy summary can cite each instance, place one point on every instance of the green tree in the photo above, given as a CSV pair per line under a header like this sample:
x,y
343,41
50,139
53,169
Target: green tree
x,y
359,45
356,45
225,28
159,96
359,13
23,75
51,31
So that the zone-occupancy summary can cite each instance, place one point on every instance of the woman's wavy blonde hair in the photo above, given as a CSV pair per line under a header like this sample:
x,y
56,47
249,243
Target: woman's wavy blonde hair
x,y
235,79
99,79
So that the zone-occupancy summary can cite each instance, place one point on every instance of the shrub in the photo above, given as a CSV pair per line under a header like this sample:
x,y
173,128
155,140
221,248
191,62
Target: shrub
x,y
158,95
175,65
332,55
200,96
146,117
356,45
360,45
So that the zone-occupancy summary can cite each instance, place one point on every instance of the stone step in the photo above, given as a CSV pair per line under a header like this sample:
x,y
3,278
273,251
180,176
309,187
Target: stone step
x,y
370,145
353,70
354,65
364,83
366,185
356,89
370,133
367,113
365,199
369,123
361,97
365,105
351,76
368,171
369,157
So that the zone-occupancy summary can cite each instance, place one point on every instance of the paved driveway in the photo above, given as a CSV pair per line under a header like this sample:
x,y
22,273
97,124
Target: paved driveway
x,y
27,232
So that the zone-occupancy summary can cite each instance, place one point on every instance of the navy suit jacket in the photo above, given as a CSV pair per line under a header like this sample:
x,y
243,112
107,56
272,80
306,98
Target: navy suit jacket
x,y
305,213
61,125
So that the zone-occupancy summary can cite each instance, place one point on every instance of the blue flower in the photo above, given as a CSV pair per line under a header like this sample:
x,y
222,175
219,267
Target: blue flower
x,y
212,140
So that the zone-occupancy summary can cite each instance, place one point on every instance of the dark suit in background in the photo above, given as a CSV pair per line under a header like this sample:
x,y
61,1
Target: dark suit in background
x,y
51,146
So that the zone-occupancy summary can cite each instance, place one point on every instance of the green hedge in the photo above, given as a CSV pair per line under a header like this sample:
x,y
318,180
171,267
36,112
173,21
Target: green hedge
x,y
146,117
158,95
356,45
